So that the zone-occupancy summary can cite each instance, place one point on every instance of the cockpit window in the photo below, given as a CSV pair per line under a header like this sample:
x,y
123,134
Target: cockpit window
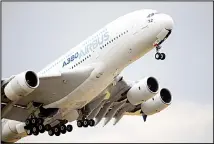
x,y
152,14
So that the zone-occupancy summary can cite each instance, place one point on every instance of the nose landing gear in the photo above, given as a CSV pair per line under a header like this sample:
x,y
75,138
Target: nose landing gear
x,y
158,55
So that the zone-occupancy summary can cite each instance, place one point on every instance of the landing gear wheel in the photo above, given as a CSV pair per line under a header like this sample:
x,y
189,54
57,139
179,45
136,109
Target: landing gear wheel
x,y
29,132
35,130
41,128
69,128
58,133
79,123
85,123
56,130
62,129
163,56
47,127
91,122
158,56
33,121
40,120
27,122
51,132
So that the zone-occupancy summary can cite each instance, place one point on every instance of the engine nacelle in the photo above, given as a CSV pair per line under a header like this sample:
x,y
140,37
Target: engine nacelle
x,y
143,90
12,131
157,103
21,85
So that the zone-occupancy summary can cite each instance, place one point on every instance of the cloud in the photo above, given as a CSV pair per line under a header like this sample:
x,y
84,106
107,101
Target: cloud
x,y
181,122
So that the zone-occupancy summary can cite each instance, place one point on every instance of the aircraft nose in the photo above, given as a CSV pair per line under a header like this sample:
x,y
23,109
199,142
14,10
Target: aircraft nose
x,y
168,21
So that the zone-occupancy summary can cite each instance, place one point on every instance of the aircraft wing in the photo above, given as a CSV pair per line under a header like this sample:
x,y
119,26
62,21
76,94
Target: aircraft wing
x,y
124,97
52,87
112,102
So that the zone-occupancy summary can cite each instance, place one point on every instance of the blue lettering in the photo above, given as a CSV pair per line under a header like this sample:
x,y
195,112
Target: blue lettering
x,y
106,36
89,45
76,54
72,57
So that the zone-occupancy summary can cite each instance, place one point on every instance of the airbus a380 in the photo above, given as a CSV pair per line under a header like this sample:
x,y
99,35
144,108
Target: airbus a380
x,y
85,85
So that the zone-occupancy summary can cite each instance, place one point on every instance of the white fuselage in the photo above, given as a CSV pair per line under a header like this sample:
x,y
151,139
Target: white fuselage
x,y
109,51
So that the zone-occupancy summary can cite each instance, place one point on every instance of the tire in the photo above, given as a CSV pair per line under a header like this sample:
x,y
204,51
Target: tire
x,y
36,133
79,123
62,129
47,127
85,123
158,56
163,56
56,130
51,132
35,130
27,122
40,121
33,121
91,122
69,128
58,133
41,128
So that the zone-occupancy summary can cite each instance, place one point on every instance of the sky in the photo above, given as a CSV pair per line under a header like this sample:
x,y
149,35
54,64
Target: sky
x,y
35,34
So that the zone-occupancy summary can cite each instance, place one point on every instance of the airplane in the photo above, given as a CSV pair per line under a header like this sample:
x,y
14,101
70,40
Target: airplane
x,y
85,84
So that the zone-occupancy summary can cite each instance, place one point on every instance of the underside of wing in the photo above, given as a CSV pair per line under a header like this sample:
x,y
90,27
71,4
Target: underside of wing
x,y
129,98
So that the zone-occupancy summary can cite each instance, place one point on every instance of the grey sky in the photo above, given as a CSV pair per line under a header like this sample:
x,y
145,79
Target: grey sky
x,y
34,34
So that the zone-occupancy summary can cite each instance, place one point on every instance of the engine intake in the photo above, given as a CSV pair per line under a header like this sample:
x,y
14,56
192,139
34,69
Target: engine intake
x,y
157,103
166,96
31,79
143,90
152,84
21,85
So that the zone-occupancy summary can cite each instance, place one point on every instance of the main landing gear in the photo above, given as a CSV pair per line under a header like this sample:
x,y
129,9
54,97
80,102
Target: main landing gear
x,y
59,129
35,126
158,55
85,123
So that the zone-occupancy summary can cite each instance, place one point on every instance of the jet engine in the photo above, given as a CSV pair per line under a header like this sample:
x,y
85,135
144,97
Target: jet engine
x,y
12,131
143,90
157,103
21,85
